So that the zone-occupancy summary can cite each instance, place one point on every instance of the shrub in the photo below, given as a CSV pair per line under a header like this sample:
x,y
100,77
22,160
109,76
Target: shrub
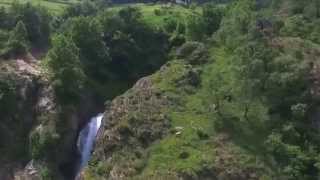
x,y
212,16
45,173
158,12
299,110
194,53
7,95
186,49
195,28
177,40
170,25
43,143
293,160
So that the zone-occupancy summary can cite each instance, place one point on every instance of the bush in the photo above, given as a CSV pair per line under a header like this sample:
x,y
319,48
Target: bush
x,y
299,111
212,16
45,173
43,143
295,26
170,25
196,30
177,40
187,49
194,53
158,12
294,161
7,95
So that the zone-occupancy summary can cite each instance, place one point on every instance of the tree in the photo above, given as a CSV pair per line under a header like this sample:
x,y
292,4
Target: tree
x,y
204,25
85,8
130,15
195,28
94,53
312,9
5,19
17,42
136,49
212,16
65,67
36,20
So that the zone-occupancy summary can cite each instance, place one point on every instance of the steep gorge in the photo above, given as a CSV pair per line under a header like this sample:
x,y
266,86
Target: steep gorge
x,y
241,105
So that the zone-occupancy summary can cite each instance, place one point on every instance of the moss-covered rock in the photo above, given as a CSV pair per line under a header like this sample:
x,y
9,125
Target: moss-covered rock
x,y
33,126
194,53
18,96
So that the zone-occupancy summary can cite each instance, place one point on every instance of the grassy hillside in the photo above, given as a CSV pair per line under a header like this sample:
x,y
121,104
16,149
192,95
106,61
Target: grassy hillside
x,y
53,5
195,123
157,14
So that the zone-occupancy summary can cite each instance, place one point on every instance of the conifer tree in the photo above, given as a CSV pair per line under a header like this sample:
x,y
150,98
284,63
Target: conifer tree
x,y
18,43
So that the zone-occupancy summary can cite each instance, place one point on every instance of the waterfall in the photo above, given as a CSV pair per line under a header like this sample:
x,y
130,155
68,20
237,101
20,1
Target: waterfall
x,y
87,138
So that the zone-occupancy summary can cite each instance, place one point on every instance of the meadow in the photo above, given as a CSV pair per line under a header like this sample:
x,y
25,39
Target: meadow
x,y
155,14
159,15
55,6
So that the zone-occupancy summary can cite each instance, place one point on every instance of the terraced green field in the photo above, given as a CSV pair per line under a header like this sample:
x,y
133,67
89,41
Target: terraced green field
x,y
53,5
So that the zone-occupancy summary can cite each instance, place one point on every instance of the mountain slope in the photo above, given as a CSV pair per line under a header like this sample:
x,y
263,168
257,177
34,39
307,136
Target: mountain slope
x,y
239,107
163,128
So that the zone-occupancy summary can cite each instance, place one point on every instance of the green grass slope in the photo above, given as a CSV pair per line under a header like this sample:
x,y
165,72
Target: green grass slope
x,y
194,121
158,14
53,5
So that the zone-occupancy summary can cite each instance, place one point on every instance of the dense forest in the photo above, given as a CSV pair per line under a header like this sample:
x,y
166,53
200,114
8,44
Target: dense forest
x,y
221,90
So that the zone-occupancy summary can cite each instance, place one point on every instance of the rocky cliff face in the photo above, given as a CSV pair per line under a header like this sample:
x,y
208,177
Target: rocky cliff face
x,y
37,135
131,123
21,86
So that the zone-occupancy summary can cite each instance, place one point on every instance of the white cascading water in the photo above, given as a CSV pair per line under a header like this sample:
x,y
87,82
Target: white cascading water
x,y
87,138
